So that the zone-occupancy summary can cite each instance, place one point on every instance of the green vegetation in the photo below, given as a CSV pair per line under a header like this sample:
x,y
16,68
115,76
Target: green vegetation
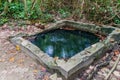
x,y
98,11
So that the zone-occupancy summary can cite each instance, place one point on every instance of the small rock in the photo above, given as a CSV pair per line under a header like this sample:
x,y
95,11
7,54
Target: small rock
x,y
117,74
100,73
119,63
98,78
37,24
118,30
118,67
94,45
88,71
113,78
106,70
53,77
91,67
111,63
112,40
59,78
2,60
103,70
78,79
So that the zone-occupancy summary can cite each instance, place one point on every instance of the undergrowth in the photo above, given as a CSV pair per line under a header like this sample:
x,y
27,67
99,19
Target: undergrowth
x,y
97,11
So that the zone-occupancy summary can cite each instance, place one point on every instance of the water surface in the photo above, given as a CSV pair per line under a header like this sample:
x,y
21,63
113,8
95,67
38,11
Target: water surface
x,y
64,43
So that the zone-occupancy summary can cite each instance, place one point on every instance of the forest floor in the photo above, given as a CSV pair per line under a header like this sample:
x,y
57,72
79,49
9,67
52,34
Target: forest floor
x,y
15,65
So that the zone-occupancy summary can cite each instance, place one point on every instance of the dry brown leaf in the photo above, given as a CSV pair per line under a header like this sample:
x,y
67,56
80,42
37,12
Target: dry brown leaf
x,y
2,60
20,61
46,77
11,51
35,71
112,40
12,59
100,36
118,30
114,58
56,58
17,47
42,68
116,52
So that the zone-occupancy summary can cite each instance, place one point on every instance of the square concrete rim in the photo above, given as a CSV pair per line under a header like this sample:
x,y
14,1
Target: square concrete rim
x,y
80,60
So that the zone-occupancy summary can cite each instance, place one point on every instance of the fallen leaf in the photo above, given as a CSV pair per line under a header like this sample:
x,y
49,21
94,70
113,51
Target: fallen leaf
x,y
91,67
118,30
12,59
100,36
94,45
116,52
46,77
112,40
13,51
42,68
68,28
17,47
56,58
20,61
114,58
35,71
88,71
2,60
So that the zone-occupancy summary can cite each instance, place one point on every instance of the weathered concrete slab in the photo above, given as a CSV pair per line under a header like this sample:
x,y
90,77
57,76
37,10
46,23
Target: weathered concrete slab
x,y
80,60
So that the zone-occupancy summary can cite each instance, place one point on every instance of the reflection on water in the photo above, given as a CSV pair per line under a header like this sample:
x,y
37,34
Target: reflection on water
x,y
64,43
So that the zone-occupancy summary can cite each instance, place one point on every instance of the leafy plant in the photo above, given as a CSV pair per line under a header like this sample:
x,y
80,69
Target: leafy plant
x,y
98,11
47,18
64,13
15,10
3,21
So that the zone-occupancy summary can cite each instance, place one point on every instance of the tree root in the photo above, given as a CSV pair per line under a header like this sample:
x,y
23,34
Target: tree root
x,y
100,64
97,67
113,68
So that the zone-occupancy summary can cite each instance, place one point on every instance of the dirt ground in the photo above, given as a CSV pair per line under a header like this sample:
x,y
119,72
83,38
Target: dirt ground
x,y
14,64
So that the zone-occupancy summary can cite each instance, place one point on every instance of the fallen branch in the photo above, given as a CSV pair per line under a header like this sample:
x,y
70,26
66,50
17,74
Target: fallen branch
x,y
97,67
113,68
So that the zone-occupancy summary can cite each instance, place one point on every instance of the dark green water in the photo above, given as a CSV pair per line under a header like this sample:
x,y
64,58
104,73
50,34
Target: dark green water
x,y
64,43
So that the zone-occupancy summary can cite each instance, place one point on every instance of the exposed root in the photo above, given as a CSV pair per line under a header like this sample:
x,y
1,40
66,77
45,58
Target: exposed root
x,y
113,68
99,65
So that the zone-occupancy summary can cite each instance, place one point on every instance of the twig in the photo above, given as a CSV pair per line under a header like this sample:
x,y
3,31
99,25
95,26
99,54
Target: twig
x,y
107,77
97,67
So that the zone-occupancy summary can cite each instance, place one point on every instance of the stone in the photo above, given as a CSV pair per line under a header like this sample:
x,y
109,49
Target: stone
x,y
100,73
113,78
77,79
106,70
117,74
112,40
53,77
118,67
78,61
59,79
91,67
88,71
111,63
98,78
